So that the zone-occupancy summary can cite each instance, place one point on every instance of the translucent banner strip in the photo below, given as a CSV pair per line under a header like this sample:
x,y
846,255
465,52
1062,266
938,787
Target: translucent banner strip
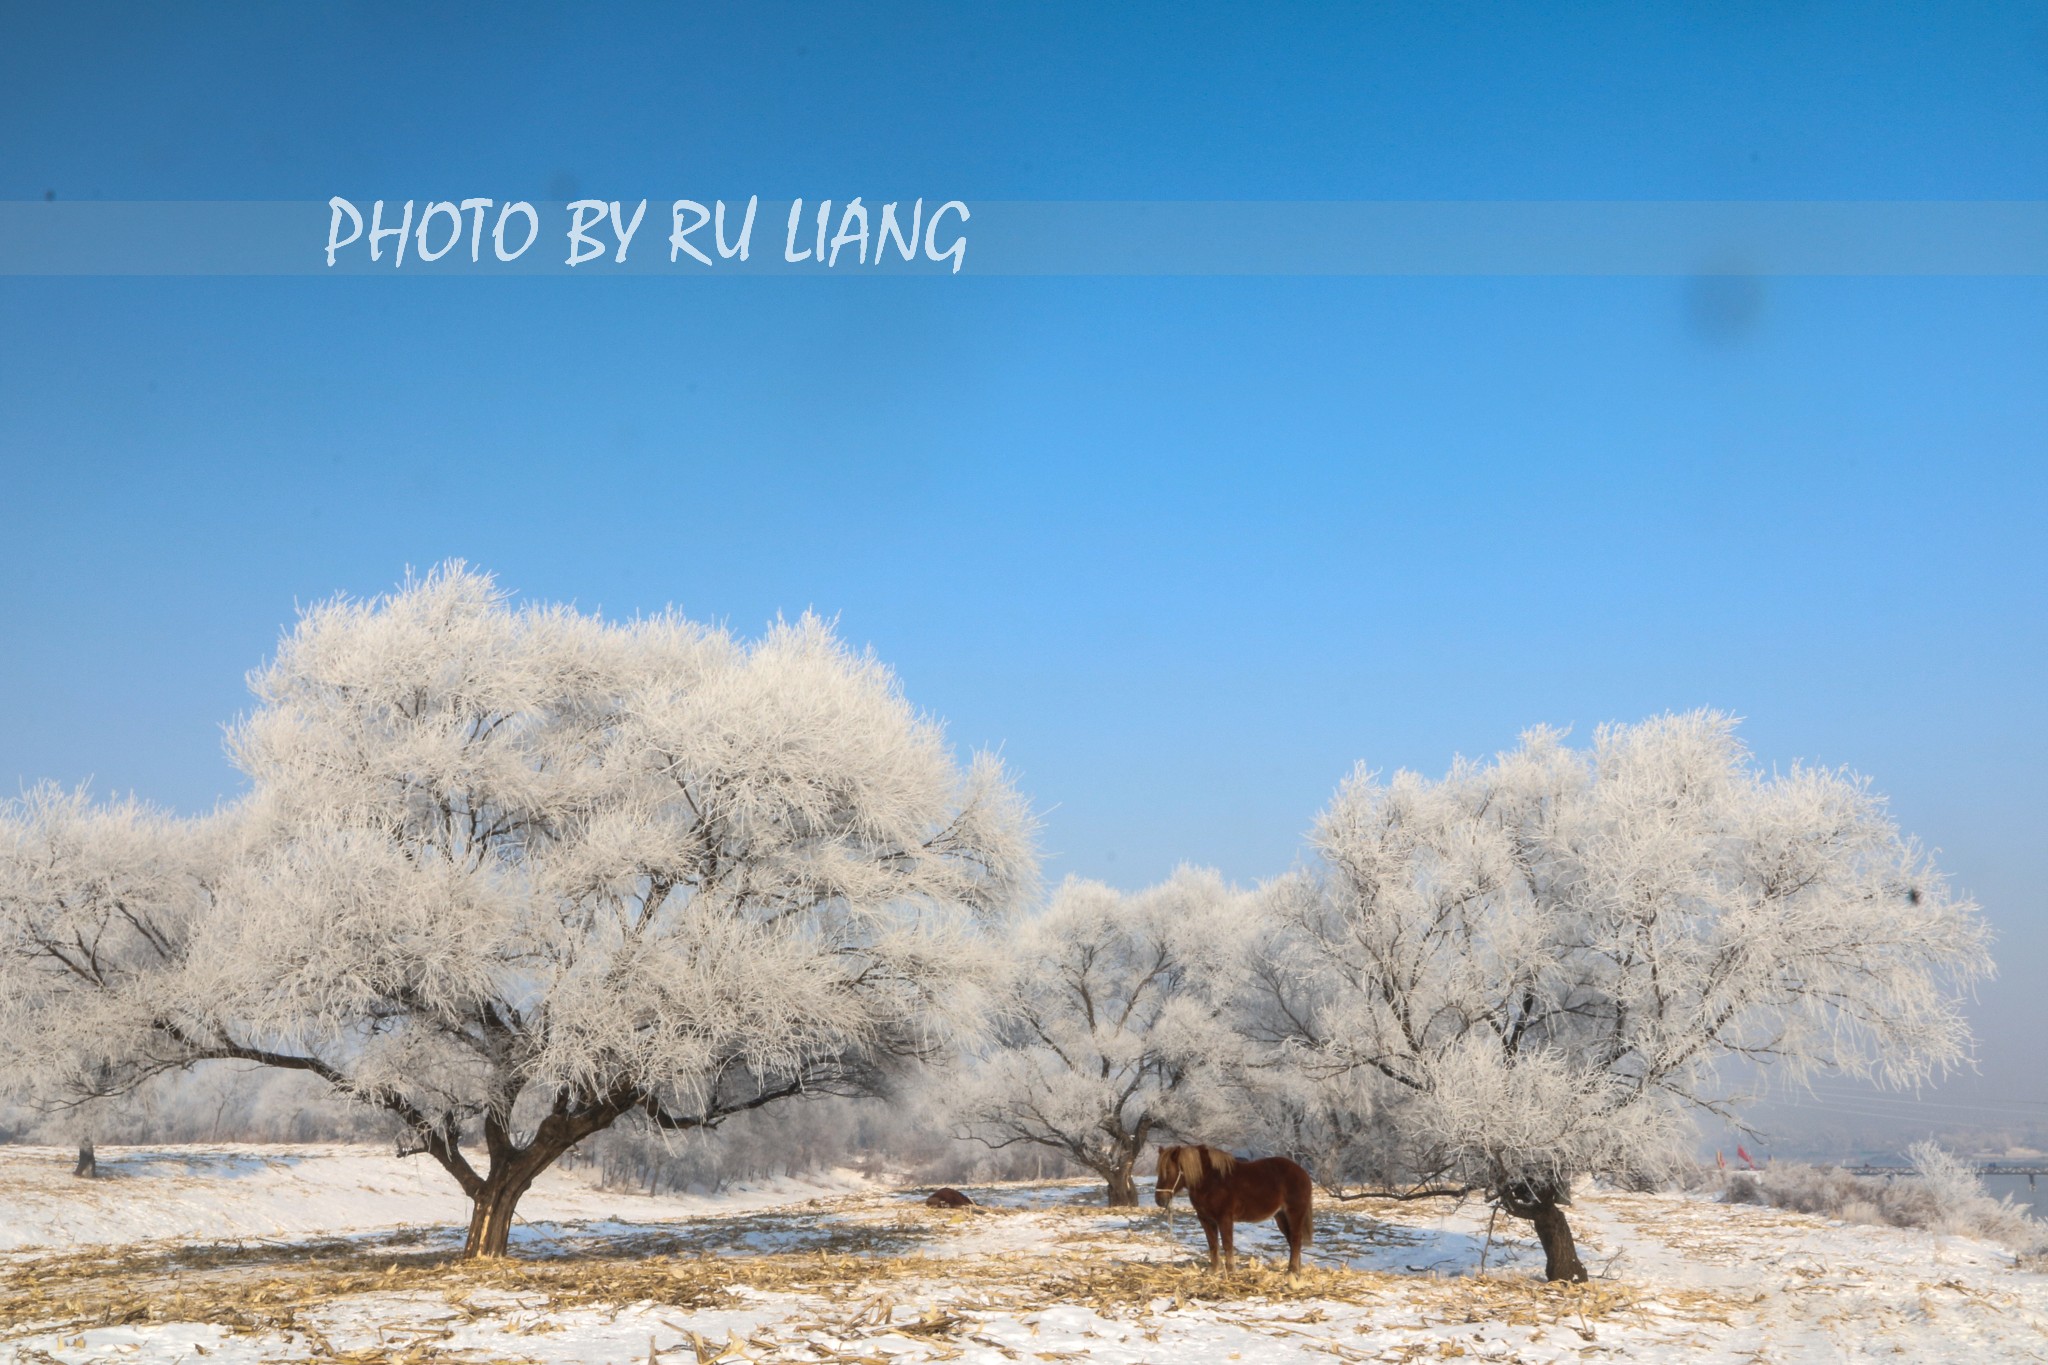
x,y
954,238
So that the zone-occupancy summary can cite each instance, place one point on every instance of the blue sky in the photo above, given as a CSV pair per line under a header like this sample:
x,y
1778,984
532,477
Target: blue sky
x,y
1184,549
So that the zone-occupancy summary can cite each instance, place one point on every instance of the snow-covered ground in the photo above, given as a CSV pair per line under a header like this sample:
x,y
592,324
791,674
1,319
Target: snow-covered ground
x,y
340,1253
208,1193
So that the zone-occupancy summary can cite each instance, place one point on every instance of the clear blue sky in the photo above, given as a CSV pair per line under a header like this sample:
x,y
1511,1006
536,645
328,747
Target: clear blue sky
x,y
1184,549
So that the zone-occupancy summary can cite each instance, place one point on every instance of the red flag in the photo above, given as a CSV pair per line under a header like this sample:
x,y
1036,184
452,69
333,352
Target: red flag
x,y
1747,1159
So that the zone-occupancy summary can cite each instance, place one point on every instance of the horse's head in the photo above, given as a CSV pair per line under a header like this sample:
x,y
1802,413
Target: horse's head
x,y
1169,1180
1183,1168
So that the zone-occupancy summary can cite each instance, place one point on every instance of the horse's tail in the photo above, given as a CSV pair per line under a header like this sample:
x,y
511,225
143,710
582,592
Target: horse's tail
x,y
1301,1203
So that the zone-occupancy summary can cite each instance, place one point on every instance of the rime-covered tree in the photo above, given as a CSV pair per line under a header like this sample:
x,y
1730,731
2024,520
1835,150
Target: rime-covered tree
x,y
1114,1029
98,905
1544,958
515,873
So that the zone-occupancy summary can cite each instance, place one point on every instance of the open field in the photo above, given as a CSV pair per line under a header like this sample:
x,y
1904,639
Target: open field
x,y
343,1254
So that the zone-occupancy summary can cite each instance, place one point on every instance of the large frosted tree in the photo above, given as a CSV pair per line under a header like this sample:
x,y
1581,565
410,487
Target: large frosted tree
x,y
1114,1028
515,873
1546,961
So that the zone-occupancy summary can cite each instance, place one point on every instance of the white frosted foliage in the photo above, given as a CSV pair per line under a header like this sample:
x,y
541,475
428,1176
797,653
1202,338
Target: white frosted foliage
x,y
515,865
1548,960
1115,1028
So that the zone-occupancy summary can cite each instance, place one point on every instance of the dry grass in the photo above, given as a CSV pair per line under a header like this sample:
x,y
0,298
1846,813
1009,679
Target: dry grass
x,y
257,1289
274,1290
1123,1285
866,1272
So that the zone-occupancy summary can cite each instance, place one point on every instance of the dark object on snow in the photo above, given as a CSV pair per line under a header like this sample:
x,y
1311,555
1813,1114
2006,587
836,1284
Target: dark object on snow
x,y
949,1198
88,1165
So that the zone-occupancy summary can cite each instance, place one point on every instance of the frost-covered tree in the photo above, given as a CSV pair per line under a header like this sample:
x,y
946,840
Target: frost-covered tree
x,y
98,906
1336,1123
514,873
1545,958
1115,1029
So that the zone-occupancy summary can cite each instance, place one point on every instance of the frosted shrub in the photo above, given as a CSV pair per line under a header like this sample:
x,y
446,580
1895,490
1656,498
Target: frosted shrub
x,y
215,1102
1939,1193
892,1138
1959,1203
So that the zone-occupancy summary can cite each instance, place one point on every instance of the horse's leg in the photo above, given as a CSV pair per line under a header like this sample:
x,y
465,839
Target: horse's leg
x,y
1229,1245
1209,1229
1299,1229
1293,1243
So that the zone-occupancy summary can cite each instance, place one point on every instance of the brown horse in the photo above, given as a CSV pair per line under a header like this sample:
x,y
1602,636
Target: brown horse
x,y
1226,1191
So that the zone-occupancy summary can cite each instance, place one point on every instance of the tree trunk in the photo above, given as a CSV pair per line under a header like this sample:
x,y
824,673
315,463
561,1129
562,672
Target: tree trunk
x,y
1543,1205
496,1201
490,1218
494,1198
88,1165
1560,1254
1121,1178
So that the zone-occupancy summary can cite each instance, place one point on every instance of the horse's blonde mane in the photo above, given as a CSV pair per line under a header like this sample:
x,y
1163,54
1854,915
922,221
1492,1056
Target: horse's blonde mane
x,y
1195,1163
